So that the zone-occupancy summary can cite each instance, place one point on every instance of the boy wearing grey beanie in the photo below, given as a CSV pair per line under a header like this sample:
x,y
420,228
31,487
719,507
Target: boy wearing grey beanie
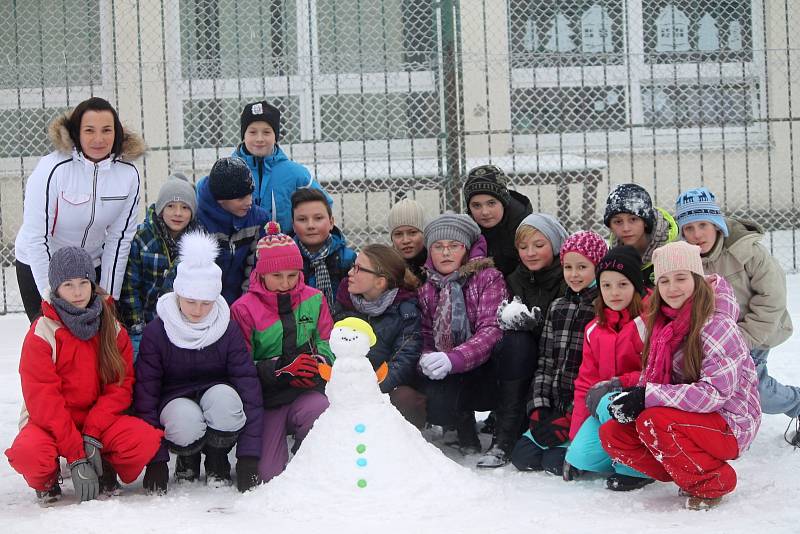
x,y
154,251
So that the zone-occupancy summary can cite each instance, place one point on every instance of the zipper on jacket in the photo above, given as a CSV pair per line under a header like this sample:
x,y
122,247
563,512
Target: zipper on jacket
x,y
260,165
94,205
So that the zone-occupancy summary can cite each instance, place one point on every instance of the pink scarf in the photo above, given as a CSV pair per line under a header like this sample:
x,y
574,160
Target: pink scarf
x,y
669,331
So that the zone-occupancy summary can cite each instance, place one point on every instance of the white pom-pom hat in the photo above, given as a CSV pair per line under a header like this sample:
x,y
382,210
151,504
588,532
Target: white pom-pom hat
x,y
198,277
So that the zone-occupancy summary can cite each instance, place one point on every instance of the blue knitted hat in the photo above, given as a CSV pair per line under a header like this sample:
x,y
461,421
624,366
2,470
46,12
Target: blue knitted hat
x,y
699,204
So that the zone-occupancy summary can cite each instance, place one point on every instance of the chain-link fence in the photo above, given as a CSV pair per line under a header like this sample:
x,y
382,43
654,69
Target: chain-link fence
x,y
386,98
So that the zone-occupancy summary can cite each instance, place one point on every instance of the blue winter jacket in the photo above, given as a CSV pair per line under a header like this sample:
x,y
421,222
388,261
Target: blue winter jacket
x,y
398,332
237,238
276,177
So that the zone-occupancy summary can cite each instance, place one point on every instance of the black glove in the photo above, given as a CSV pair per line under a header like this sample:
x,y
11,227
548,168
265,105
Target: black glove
x,y
626,405
537,417
553,431
155,478
84,480
91,447
247,473
598,391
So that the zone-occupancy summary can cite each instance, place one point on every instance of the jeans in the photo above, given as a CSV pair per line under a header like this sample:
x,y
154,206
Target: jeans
x,y
775,397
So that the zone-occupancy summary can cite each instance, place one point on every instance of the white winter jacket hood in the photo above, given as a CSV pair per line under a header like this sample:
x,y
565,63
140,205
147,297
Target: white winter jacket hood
x,y
71,201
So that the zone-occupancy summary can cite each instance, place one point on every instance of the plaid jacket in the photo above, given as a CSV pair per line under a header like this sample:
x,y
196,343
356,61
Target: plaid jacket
x,y
148,275
561,350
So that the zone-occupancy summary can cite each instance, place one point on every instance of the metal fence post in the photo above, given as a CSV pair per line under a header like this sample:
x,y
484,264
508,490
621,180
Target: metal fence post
x,y
452,105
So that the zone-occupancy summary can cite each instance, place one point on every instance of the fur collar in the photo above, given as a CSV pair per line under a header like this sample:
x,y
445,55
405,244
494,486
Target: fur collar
x,y
476,265
133,146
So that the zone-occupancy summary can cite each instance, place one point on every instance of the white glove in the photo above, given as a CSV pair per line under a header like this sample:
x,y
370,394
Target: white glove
x,y
515,315
435,365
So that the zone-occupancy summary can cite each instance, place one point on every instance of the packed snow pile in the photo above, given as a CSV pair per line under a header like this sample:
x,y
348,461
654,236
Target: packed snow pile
x,y
362,451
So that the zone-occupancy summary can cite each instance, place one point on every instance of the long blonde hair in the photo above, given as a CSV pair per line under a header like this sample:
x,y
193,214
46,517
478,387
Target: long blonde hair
x,y
702,309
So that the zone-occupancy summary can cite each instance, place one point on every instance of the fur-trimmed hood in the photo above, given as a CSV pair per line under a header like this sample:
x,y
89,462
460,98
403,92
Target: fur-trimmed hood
x,y
133,145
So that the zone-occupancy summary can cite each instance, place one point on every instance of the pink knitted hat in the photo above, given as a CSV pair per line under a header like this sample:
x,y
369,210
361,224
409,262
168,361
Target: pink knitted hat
x,y
588,244
677,256
277,252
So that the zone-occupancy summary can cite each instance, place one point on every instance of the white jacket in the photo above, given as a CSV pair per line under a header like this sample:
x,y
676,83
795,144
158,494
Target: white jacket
x,y
71,201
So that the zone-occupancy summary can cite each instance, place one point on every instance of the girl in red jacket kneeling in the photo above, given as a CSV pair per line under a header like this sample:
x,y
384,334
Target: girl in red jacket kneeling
x,y
76,370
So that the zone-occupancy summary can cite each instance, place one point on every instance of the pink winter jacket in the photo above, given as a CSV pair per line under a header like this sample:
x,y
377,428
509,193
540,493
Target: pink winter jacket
x,y
608,352
728,383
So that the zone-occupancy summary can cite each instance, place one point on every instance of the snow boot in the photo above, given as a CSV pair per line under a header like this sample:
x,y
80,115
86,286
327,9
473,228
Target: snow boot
x,y
49,497
187,468
218,468
487,426
702,503
618,482
468,442
509,415
109,485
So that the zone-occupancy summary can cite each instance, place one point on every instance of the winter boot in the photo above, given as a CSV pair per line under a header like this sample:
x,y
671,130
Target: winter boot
x,y
49,497
468,442
617,482
218,468
187,468
509,416
109,485
487,426
702,503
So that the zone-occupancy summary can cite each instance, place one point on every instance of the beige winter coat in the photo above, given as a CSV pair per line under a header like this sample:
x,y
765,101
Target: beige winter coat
x,y
758,281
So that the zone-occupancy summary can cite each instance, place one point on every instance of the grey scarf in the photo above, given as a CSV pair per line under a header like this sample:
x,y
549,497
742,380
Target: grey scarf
x,y
450,321
374,308
82,322
322,278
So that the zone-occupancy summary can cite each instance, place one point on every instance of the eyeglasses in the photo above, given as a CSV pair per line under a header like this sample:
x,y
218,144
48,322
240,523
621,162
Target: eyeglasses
x,y
439,248
356,268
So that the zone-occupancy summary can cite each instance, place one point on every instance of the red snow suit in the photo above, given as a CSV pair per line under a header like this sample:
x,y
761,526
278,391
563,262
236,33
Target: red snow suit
x,y
63,399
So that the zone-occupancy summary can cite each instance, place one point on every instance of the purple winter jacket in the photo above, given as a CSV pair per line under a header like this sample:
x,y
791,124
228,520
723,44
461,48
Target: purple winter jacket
x,y
484,291
728,382
165,372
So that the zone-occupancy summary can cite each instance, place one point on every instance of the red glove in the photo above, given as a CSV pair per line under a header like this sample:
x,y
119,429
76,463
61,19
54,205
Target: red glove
x,y
302,371
553,431
538,416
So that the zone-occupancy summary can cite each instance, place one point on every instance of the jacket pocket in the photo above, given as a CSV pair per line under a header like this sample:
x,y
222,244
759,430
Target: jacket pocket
x,y
113,198
75,198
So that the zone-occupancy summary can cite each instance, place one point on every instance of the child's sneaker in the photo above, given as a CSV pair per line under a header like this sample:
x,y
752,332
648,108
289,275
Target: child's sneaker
x,y
702,503
49,497
617,482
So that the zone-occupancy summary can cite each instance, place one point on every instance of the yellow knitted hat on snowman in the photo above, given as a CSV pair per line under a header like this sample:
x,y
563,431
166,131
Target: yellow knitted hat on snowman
x,y
359,325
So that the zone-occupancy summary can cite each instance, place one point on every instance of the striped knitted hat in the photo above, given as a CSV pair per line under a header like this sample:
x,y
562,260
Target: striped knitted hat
x,y
277,252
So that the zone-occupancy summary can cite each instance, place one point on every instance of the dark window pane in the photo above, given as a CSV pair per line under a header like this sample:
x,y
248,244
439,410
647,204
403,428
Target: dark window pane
x,y
568,109
693,106
684,31
24,131
566,32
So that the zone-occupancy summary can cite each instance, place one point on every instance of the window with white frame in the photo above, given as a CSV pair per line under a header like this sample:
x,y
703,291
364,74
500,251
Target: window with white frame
x,y
650,64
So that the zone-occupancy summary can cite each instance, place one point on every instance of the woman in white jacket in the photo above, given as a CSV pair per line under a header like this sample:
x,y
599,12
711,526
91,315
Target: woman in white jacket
x,y
85,194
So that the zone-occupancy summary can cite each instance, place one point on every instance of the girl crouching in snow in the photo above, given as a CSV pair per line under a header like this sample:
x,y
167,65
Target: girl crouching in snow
x,y
286,325
612,359
76,370
696,406
195,378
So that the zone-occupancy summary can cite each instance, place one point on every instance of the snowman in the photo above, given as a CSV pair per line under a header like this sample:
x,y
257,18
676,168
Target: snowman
x,y
361,447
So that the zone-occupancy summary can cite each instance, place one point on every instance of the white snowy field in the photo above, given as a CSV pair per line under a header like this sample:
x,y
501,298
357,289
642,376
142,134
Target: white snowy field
x,y
419,501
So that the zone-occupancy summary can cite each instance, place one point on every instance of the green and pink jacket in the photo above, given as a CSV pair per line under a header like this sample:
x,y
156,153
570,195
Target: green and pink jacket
x,y
275,324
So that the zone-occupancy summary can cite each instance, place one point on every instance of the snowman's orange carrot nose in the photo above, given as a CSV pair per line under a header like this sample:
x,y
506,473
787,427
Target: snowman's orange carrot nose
x,y
324,371
381,372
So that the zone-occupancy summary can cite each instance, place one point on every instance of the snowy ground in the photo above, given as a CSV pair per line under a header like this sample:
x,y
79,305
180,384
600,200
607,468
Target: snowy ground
x,y
768,496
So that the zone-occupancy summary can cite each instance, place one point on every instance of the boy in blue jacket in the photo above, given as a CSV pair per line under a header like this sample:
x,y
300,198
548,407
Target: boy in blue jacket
x,y
276,177
225,209
326,256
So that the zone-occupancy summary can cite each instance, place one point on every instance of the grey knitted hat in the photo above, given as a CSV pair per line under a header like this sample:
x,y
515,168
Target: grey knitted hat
x,y
68,263
177,188
548,225
407,212
454,226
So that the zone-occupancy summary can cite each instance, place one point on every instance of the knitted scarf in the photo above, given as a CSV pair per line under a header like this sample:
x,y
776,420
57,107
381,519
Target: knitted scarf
x,y
450,321
669,331
186,335
82,322
169,241
374,308
321,274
